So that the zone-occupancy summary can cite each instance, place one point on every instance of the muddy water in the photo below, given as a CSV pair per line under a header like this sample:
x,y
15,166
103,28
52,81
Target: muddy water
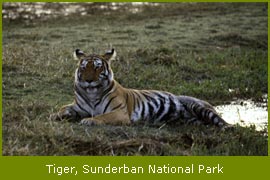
x,y
245,113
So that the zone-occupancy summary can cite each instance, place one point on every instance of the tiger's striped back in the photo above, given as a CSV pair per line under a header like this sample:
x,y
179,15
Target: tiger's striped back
x,y
159,107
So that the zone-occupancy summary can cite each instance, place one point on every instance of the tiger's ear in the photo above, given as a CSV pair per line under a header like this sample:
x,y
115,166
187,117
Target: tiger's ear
x,y
110,55
78,54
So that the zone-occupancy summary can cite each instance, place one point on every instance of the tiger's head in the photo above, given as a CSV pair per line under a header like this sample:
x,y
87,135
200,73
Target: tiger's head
x,y
94,70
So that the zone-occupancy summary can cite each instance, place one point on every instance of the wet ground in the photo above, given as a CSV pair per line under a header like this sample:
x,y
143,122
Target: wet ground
x,y
42,10
246,113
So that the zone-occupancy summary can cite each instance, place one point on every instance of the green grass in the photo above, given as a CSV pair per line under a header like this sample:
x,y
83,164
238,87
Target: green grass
x,y
201,50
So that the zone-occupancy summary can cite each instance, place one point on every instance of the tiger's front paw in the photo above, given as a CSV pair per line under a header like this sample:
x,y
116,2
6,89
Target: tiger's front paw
x,y
90,122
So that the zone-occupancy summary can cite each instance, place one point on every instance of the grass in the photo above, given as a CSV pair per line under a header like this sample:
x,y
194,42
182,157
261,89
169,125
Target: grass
x,y
196,49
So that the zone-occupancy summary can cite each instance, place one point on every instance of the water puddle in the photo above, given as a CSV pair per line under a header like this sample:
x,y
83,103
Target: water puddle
x,y
245,113
45,10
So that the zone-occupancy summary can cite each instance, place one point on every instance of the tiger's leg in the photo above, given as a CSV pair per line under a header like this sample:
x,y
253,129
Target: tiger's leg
x,y
198,111
67,112
118,117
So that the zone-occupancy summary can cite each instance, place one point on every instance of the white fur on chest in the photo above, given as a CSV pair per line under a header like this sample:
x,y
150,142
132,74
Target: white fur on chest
x,y
88,102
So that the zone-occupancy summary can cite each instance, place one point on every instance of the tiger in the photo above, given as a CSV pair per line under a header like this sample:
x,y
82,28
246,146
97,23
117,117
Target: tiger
x,y
100,99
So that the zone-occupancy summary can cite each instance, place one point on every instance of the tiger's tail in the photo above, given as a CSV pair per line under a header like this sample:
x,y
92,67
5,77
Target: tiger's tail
x,y
201,111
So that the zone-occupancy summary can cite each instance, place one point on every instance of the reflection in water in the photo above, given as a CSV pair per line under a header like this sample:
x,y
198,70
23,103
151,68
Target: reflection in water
x,y
245,113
